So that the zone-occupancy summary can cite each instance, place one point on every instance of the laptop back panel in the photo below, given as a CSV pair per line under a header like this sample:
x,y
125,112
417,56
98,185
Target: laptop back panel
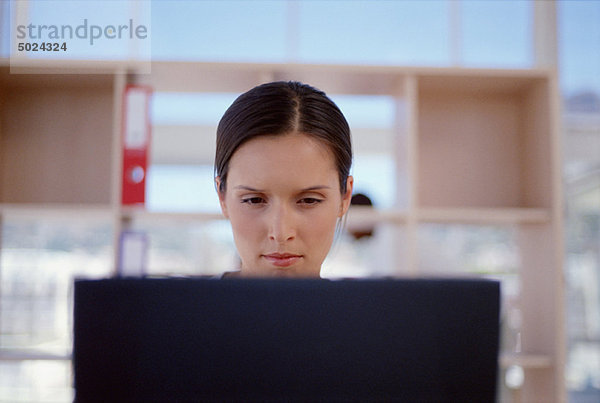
x,y
193,339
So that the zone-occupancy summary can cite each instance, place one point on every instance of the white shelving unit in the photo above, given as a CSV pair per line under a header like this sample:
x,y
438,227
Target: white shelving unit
x,y
477,146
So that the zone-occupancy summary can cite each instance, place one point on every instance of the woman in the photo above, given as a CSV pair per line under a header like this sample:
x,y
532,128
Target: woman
x,y
282,173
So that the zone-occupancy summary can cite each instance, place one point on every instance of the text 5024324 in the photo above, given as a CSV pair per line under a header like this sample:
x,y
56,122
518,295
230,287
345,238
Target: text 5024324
x,y
42,47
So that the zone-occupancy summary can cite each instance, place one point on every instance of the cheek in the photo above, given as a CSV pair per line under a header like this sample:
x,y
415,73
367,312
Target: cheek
x,y
246,226
319,230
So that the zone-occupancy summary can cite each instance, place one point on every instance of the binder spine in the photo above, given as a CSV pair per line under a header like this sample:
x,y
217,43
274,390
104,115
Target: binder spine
x,y
135,143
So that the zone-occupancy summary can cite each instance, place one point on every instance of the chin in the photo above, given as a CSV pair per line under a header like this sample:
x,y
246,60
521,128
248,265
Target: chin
x,y
294,273
284,273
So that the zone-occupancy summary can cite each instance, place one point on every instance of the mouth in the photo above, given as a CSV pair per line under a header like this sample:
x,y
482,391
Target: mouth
x,y
282,259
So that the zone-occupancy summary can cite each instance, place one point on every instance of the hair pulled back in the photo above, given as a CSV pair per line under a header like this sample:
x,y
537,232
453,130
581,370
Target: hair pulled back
x,y
279,108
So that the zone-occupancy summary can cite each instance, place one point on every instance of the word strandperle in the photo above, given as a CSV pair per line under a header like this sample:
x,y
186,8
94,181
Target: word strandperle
x,y
83,31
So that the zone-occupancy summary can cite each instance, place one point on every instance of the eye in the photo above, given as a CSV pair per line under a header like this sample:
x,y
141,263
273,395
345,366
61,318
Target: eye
x,y
253,200
310,201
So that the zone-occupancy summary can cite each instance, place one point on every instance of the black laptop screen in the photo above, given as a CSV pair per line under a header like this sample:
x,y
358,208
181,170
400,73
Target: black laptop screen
x,y
214,340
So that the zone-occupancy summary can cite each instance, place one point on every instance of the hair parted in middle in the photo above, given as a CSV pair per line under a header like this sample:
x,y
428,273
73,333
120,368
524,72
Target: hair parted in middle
x,y
280,108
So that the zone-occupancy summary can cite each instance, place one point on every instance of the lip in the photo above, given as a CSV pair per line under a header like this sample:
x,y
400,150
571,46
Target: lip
x,y
282,259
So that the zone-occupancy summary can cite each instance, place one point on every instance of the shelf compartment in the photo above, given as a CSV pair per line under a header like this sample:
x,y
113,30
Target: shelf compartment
x,y
484,142
56,140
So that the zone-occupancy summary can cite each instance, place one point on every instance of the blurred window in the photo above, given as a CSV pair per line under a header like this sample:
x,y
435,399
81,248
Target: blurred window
x,y
39,260
579,60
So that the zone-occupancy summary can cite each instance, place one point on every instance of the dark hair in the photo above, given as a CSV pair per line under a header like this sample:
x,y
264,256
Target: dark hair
x,y
279,108
360,199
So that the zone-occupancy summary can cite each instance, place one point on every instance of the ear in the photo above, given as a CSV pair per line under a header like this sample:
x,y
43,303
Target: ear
x,y
347,196
221,197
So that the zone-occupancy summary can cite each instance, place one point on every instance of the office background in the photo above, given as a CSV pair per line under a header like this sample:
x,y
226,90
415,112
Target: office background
x,y
41,252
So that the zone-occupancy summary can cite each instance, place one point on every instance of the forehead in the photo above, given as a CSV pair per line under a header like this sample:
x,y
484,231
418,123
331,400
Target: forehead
x,y
295,160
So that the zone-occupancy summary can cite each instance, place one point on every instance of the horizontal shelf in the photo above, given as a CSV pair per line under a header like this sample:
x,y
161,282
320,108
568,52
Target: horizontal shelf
x,y
527,361
57,77
238,77
31,355
432,71
361,215
356,216
51,210
141,214
333,78
484,215
63,67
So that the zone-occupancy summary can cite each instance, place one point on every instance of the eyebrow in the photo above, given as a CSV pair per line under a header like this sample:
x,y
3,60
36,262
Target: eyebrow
x,y
308,189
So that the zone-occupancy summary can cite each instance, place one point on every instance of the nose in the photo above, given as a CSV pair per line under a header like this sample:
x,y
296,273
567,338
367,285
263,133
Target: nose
x,y
281,224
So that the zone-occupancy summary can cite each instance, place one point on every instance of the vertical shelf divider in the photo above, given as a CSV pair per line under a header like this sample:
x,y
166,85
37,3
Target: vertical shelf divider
x,y
541,307
412,132
117,164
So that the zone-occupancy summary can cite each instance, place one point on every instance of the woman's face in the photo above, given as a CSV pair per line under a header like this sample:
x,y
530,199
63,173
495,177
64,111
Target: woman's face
x,y
283,199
